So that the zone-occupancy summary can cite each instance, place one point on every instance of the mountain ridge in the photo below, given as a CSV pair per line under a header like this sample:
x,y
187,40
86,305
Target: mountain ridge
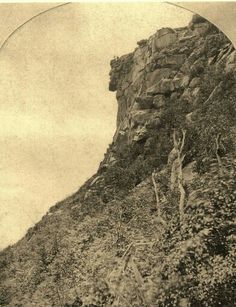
x,y
147,227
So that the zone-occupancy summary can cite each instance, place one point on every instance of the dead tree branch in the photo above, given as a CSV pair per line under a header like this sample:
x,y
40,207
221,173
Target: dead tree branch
x,y
180,177
156,194
177,172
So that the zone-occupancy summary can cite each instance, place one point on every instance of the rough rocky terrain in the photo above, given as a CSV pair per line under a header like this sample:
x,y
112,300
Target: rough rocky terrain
x,y
155,226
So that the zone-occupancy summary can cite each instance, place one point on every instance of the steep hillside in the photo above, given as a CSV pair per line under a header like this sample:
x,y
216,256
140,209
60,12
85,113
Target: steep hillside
x,y
155,226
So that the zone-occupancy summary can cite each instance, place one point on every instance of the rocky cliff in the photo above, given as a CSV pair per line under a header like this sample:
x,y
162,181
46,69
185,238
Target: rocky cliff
x,y
155,225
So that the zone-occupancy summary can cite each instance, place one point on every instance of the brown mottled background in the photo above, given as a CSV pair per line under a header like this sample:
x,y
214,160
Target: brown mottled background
x,y
57,115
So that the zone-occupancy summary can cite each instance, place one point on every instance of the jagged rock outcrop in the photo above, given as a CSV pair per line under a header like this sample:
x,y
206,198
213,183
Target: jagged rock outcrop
x,y
165,69
155,225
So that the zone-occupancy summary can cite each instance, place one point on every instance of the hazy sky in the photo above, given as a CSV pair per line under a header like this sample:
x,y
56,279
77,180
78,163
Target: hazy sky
x,y
57,115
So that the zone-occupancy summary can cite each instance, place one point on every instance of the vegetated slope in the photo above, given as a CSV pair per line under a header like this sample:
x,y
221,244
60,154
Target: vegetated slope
x,y
155,225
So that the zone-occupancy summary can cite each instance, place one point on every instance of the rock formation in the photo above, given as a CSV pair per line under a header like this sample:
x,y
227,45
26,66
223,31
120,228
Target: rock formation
x,y
154,226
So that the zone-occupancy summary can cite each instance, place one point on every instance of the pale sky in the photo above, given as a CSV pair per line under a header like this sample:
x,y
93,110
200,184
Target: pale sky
x,y
57,115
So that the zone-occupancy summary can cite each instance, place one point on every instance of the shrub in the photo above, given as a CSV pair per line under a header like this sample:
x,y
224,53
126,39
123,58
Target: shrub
x,y
120,178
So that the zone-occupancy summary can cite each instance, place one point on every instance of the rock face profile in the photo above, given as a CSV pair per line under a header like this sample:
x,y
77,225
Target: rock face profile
x,y
155,225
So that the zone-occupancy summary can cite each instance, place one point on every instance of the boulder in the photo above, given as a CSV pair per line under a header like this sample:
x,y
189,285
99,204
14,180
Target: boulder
x,y
163,38
165,86
156,75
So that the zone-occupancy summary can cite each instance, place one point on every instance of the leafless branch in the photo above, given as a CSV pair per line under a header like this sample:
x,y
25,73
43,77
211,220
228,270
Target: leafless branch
x,y
156,193
176,171
158,202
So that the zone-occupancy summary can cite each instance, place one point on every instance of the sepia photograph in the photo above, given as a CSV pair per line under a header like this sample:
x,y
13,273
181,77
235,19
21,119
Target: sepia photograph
x,y
118,154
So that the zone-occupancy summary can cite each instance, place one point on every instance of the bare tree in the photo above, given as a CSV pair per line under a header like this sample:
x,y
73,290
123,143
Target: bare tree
x,y
177,172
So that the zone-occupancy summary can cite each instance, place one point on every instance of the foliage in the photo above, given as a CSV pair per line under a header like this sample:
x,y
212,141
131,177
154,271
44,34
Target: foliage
x,y
195,262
